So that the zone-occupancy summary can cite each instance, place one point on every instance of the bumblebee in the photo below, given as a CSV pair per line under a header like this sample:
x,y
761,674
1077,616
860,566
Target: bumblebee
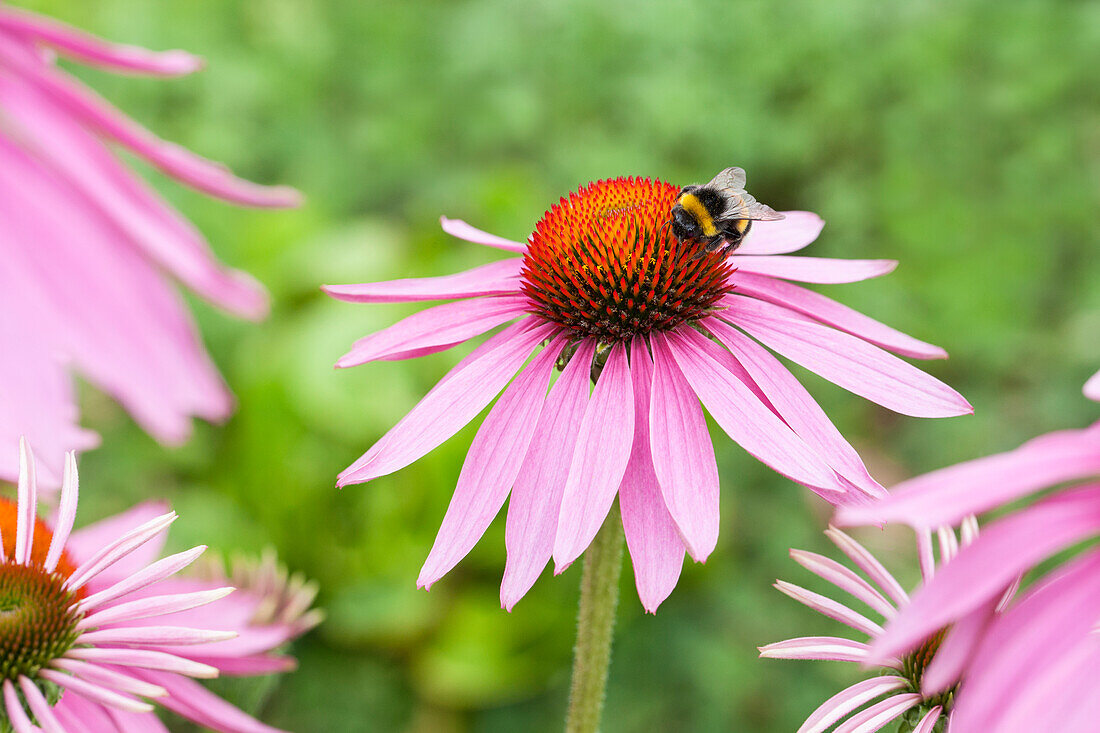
x,y
718,215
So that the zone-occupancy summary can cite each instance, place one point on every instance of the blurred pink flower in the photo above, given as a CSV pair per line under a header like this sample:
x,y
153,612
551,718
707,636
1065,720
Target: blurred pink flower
x,y
618,298
919,687
1092,387
1037,666
88,249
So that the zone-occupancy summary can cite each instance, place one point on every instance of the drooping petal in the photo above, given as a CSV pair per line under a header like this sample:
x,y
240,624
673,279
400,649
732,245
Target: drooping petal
x,y
435,329
683,456
795,405
828,648
848,700
824,309
740,413
491,466
815,269
195,702
495,278
536,493
462,230
828,607
791,233
949,494
656,550
1006,549
459,396
599,460
847,361
879,714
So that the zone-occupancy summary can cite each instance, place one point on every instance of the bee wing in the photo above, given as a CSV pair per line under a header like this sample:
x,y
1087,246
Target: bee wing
x,y
742,205
731,180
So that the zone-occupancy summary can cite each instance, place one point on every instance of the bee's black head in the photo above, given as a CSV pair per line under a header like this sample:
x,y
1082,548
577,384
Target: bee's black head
x,y
684,225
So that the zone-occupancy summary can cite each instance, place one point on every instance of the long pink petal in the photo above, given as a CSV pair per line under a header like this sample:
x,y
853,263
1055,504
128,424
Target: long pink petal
x,y
14,708
536,494
683,456
66,513
848,700
1092,387
956,650
879,714
435,329
174,160
108,677
824,309
86,541
599,460
118,549
462,230
41,708
815,269
27,511
144,658
949,494
93,51
738,411
94,692
1004,550
828,648
656,550
928,723
459,396
195,702
1060,696
795,405
789,234
142,578
848,361
491,466
829,607
869,564
157,635
495,278
843,578
152,606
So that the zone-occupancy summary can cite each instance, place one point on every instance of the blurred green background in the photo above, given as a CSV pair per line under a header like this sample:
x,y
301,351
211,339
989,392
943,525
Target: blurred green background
x,y
961,138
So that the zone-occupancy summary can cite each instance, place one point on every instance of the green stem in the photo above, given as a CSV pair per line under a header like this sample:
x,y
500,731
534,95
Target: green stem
x,y
603,563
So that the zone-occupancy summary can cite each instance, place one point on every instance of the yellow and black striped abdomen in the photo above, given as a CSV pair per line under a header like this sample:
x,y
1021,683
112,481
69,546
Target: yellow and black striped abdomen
x,y
692,205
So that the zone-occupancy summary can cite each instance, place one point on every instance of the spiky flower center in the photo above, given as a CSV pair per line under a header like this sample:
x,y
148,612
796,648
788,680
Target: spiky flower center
x,y
603,263
37,617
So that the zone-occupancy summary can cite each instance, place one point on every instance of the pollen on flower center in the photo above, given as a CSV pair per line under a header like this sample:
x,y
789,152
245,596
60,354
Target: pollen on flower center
x,y
603,263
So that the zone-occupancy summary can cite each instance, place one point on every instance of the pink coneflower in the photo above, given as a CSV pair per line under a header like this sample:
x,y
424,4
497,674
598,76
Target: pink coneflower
x,y
88,249
1037,666
609,293
919,687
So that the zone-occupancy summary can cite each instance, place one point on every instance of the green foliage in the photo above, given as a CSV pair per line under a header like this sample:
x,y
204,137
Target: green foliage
x,y
959,138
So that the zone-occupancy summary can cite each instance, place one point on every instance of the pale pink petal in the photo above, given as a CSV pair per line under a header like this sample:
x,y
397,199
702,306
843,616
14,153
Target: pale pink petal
x,y
845,579
837,315
152,606
829,607
435,329
879,714
249,666
40,707
491,465
928,723
1059,697
795,405
93,51
814,269
848,700
145,659
108,677
1092,387
1006,549
15,713
86,541
79,715
195,702
869,564
683,456
452,403
656,550
27,505
118,549
536,494
829,648
848,361
156,635
599,460
956,650
174,160
495,278
66,513
94,692
949,494
791,233
925,556
462,230
738,411
139,579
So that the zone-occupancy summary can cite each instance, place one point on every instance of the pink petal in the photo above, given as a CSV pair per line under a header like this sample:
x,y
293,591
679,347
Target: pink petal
x,y
459,396
14,709
955,651
928,723
156,635
94,692
144,658
837,315
462,230
139,579
848,361
435,329
117,549
1007,548
108,677
66,513
683,456
177,162
495,278
42,710
848,700
869,564
90,50
27,508
491,465
814,269
738,411
195,702
536,494
599,461
651,534
829,607
1059,697
879,714
843,578
1092,387
949,494
86,541
795,405
789,234
152,606
829,648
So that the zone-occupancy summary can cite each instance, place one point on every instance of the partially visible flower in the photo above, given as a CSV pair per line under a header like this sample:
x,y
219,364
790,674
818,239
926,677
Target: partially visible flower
x,y
918,688
1037,666
88,249
614,297
1092,387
